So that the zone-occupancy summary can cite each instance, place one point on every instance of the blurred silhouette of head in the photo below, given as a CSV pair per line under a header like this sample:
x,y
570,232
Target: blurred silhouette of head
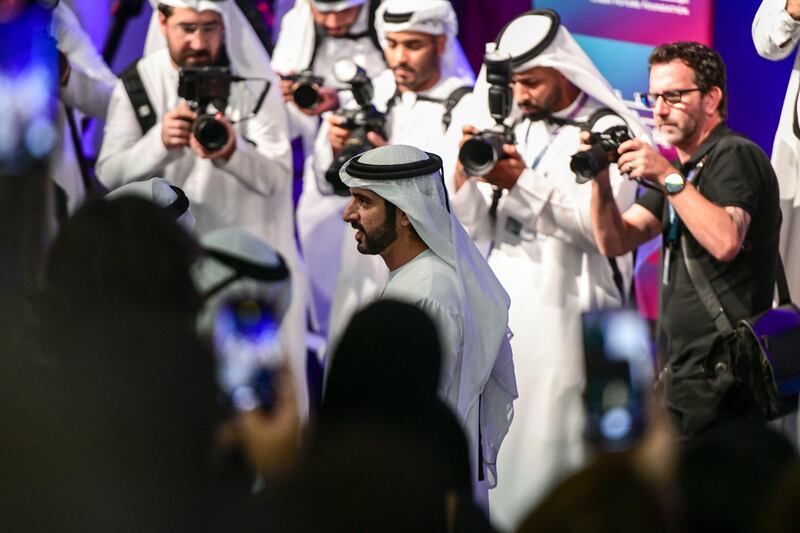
x,y
608,496
727,475
388,360
122,253
385,371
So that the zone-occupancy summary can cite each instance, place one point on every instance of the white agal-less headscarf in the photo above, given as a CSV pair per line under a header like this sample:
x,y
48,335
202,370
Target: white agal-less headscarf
x,y
434,17
487,369
160,192
246,52
540,35
228,281
294,54
332,6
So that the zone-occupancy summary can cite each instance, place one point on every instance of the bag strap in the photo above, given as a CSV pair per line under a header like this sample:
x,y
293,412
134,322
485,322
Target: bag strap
x,y
142,107
705,290
780,281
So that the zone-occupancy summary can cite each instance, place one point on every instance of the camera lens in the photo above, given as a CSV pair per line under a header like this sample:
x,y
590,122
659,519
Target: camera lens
x,y
305,95
480,154
210,133
587,164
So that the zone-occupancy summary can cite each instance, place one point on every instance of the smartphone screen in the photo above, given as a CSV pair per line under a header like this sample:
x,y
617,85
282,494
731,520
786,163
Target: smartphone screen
x,y
619,373
248,351
28,87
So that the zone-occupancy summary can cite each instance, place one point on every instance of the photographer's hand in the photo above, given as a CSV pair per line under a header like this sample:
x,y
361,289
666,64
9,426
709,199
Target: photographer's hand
x,y
508,170
286,86
376,139
329,101
641,160
337,135
223,153
271,439
176,127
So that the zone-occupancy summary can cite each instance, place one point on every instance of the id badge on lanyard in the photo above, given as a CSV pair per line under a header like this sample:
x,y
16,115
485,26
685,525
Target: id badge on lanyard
x,y
674,231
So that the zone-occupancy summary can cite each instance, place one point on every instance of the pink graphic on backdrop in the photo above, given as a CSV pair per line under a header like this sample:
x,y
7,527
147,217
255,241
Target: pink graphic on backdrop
x,y
650,22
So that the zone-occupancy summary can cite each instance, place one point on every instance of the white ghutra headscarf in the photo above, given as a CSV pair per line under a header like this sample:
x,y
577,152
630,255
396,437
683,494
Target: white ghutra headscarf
x,y
538,39
434,17
246,52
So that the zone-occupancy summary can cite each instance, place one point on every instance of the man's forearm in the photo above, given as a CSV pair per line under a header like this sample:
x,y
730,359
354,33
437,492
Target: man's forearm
x,y
607,223
710,224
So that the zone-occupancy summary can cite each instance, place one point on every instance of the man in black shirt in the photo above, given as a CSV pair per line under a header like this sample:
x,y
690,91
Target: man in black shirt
x,y
723,197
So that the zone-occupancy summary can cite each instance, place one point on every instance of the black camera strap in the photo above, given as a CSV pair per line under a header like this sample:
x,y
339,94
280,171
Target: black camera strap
x,y
449,102
142,107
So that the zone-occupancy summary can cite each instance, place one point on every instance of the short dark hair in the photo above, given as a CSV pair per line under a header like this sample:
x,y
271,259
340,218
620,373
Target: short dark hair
x,y
166,10
707,64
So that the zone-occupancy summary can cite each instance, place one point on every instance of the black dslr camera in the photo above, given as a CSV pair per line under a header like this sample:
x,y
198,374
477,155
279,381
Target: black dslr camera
x,y
360,121
587,164
481,153
305,88
201,86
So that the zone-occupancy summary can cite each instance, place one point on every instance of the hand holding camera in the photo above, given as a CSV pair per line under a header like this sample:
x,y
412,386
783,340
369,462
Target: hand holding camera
x,y
640,160
176,128
308,93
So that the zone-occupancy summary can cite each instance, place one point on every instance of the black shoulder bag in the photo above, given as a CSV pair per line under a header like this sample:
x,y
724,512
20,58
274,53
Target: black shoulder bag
x,y
761,353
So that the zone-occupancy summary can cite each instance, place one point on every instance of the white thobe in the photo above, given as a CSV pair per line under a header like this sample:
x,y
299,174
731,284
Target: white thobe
x,y
776,34
544,253
88,91
343,280
252,190
430,284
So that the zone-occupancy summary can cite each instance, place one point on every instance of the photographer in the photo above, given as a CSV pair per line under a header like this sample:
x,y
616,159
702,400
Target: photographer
x,y
313,35
721,203
238,177
536,225
426,79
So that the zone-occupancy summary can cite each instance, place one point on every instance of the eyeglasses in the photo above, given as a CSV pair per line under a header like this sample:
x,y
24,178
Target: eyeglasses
x,y
670,97
189,29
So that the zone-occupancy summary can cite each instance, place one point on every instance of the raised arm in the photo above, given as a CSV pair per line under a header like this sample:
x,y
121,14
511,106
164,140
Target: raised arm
x,y
776,28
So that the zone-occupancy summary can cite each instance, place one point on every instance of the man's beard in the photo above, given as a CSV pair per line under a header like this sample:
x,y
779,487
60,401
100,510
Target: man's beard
x,y
195,59
540,113
416,77
383,236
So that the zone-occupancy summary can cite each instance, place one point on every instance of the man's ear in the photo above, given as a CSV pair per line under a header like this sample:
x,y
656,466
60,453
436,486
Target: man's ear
x,y
162,23
441,42
711,100
403,218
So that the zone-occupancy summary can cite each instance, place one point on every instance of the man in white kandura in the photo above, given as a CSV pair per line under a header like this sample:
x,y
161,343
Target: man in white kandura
x,y
314,35
86,87
776,32
245,183
539,241
427,77
400,210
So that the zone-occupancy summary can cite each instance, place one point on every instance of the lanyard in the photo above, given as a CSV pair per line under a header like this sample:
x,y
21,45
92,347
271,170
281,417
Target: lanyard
x,y
538,159
674,231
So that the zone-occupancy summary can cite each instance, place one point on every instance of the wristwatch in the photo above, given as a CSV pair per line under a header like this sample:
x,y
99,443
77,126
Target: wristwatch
x,y
674,183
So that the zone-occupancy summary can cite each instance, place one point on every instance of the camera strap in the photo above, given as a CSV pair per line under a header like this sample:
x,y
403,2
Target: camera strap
x,y
142,107
449,102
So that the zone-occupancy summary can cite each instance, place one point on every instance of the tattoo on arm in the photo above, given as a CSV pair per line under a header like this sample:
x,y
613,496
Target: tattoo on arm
x,y
741,218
